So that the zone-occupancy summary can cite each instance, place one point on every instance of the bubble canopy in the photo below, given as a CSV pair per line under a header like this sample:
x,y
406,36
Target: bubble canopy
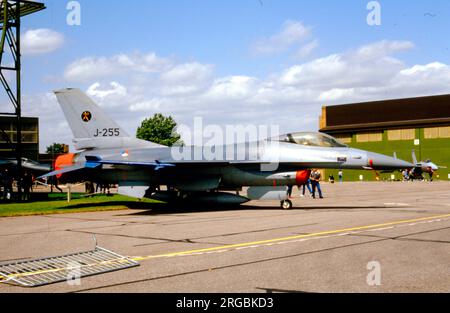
x,y
311,140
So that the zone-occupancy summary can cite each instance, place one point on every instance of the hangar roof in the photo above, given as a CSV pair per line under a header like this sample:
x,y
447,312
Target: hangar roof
x,y
398,113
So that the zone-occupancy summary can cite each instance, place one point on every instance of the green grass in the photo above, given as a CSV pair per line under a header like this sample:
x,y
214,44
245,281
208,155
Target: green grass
x,y
57,204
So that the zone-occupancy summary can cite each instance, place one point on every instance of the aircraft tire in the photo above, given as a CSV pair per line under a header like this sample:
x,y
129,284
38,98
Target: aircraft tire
x,y
286,205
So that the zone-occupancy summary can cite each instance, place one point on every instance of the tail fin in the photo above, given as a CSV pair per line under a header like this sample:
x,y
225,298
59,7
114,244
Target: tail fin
x,y
85,118
414,158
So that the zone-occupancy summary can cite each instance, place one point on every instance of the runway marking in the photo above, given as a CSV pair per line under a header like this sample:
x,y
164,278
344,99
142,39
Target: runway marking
x,y
396,204
279,241
270,242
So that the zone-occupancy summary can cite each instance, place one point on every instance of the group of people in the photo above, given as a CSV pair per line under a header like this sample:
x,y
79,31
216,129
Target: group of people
x,y
7,182
312,184
340,175
95,188
7,185
413,174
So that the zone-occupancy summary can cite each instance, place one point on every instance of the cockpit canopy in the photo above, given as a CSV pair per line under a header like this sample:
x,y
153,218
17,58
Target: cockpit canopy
x,y
312,140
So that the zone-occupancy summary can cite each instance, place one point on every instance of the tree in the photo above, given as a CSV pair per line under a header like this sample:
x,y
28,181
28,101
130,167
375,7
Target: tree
x,y
57,148
159,129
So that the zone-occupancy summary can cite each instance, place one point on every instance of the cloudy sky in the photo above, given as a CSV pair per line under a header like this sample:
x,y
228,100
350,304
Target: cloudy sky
x,y
231,62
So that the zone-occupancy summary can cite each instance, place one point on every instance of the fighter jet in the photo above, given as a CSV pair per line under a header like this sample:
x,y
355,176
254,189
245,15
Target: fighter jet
x,y
422,167
27,164
189,174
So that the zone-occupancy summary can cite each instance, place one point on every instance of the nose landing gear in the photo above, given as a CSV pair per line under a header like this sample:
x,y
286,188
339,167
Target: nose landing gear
x,y
286,205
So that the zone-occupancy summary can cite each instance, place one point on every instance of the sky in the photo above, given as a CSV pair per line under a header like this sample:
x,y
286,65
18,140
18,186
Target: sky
x,y
259,62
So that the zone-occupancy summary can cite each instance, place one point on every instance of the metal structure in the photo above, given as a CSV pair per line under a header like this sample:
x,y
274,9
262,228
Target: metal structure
x,y
41,272
11,12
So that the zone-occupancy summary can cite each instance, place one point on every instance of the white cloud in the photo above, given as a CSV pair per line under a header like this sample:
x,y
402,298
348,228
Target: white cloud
x,y
320,70
116,90
149,105
383,48
53,127
184,72
293,33
90,68
186,79
291,98
41,41
308,49
434,68
336,94
231,88
369,65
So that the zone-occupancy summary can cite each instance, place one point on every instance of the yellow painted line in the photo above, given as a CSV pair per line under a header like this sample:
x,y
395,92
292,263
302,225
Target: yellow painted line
x,y
241,245
277,240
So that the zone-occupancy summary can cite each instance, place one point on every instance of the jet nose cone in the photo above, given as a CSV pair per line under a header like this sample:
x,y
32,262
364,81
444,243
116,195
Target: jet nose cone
x,y
434,167
382,162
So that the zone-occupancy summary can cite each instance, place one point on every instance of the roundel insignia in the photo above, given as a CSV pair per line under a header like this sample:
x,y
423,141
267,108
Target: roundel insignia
x,y
86,116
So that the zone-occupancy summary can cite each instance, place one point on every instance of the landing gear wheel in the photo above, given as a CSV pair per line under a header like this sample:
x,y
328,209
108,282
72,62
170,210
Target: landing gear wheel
x,y
286,205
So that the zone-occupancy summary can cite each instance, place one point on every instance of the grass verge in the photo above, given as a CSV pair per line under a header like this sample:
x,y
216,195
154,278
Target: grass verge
x,y
57,204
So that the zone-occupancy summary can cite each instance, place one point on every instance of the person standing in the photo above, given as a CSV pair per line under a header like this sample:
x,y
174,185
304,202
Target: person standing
x,y
289,192
331,178
7,185
431,173
405,174
27,184
2,186
341,176
315,181
304,186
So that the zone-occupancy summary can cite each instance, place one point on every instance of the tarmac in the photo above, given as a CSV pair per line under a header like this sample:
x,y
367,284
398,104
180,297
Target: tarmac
x,y
363,237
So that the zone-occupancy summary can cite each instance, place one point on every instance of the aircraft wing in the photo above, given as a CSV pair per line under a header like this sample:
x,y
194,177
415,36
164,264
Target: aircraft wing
x,y
156,165
5,162
26,164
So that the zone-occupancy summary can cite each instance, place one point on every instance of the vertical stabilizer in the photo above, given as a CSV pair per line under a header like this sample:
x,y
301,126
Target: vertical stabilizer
x,y
414,158
85,118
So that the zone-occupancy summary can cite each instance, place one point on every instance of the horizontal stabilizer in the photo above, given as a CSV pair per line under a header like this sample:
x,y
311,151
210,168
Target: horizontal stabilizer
x,y
64,171
93,162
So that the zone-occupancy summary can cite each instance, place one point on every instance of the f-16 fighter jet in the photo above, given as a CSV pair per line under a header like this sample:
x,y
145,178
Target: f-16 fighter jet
x,y
200,175
423,167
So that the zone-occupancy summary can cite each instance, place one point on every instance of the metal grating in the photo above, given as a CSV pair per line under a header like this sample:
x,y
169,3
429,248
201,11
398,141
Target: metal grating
x,y
41,272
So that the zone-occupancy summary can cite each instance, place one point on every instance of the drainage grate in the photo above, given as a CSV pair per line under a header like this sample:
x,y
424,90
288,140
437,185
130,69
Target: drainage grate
x,y
41,272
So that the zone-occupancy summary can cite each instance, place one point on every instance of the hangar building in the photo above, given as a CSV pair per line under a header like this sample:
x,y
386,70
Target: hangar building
x,y
30,137
393,126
